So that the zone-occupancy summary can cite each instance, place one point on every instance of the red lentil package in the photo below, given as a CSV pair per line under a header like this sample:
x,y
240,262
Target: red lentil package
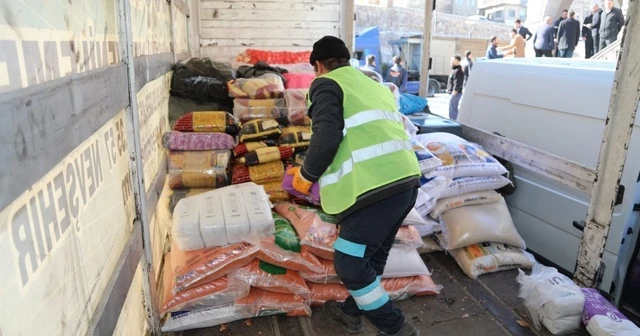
x,y
260,303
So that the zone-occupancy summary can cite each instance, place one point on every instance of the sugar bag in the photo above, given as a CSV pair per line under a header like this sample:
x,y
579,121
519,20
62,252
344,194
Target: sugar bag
x,y
484,258
603,319
476,224
414,218
236,220
552,299
432,226
473,198
465,185
404,261
212,225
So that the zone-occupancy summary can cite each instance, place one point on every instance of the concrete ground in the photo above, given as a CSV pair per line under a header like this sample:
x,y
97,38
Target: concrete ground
x,y
439,104
488,306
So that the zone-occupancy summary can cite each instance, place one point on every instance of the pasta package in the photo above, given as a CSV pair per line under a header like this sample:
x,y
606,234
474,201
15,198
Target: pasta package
x,y
295,136
208,121
198,169
259,129
265,155
267,86
251,109
243,148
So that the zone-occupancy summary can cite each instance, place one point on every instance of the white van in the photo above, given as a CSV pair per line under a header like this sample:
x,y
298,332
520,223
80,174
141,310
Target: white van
x,y
559,106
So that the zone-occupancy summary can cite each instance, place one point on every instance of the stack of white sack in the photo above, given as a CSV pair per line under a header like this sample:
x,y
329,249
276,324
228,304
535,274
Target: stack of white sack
x,y
221,217
552,299
463,213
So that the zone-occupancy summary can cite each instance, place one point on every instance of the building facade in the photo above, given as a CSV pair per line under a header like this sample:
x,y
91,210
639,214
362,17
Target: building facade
x,y
503,11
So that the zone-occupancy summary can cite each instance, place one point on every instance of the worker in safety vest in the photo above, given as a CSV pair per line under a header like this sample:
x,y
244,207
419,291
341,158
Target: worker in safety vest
x,y
368,175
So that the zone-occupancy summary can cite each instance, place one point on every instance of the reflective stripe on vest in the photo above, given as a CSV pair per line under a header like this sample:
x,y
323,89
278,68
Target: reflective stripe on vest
x,y
364,117
364,154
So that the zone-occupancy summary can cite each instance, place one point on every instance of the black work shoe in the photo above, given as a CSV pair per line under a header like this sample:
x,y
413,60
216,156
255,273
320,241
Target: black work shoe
x,y
406,330
351,324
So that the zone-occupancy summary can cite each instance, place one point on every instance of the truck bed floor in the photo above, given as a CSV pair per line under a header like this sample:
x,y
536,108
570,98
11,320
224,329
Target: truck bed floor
x,y
488,306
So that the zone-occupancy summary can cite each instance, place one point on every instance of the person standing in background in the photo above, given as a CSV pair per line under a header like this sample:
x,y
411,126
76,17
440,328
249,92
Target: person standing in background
x,y
611,23
587,37
397,74
594,26
492,50
522,30
556,26
454,86
543,39
568,36
517,45
370,63
467,66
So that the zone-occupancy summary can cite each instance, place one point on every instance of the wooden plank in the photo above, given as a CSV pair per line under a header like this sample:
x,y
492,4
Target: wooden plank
x,y
546,164
253,43
426,48
265,25
250,5
621,116
269,15
42,124
273,33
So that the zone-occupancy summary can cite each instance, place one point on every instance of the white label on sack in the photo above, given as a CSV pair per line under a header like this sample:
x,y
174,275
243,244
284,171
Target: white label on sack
x,y
269,124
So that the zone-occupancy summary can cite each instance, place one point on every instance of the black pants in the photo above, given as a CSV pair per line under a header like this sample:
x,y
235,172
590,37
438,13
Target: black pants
x,y
595,35
366,236
607,41
540,53
588,47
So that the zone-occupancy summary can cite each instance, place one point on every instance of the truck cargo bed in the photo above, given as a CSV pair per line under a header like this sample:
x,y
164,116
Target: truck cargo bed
x,y
488,306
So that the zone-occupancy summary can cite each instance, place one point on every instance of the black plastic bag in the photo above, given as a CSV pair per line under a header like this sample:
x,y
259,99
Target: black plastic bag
x,y
202,80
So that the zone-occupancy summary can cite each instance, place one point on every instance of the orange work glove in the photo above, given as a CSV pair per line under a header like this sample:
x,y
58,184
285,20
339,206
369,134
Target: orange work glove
x,y
300,183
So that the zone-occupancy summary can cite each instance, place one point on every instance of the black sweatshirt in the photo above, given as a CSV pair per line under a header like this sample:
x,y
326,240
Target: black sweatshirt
x,y
456,80
327,114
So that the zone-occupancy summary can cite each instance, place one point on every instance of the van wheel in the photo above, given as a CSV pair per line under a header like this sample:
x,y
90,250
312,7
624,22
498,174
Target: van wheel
x,y
433,88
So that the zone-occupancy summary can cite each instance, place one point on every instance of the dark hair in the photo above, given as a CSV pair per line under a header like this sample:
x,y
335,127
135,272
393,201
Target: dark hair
x,y
494,38
371,57
467,53
457,57
565,10
572,14
332,63
397,59
514,31
518,21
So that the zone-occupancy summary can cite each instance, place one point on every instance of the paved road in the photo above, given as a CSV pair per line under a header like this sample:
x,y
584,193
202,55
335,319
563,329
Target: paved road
x,y
439,104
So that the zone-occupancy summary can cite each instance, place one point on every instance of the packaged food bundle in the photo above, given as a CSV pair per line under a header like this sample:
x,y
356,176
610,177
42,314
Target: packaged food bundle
x,y
194,268
202,80
251,109
260,129
243,148
552,299
178,194
484,258
312,198
266,86
397,288
284,250
316,229
221,217
408,235
190,141
473,198
271,278
296,100
465,185
477,224
295,136
275,192
208,121
460,158
266,154
218,292
298,80
260,174
327,275
198,169
261,303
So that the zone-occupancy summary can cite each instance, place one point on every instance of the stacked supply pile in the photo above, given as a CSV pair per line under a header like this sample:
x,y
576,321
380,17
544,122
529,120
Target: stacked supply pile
x,y
270,135
405,274
212,274
199,150
460,203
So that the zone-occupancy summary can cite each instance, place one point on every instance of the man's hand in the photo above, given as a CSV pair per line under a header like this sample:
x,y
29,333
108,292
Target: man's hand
x,y
300,183
454,93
